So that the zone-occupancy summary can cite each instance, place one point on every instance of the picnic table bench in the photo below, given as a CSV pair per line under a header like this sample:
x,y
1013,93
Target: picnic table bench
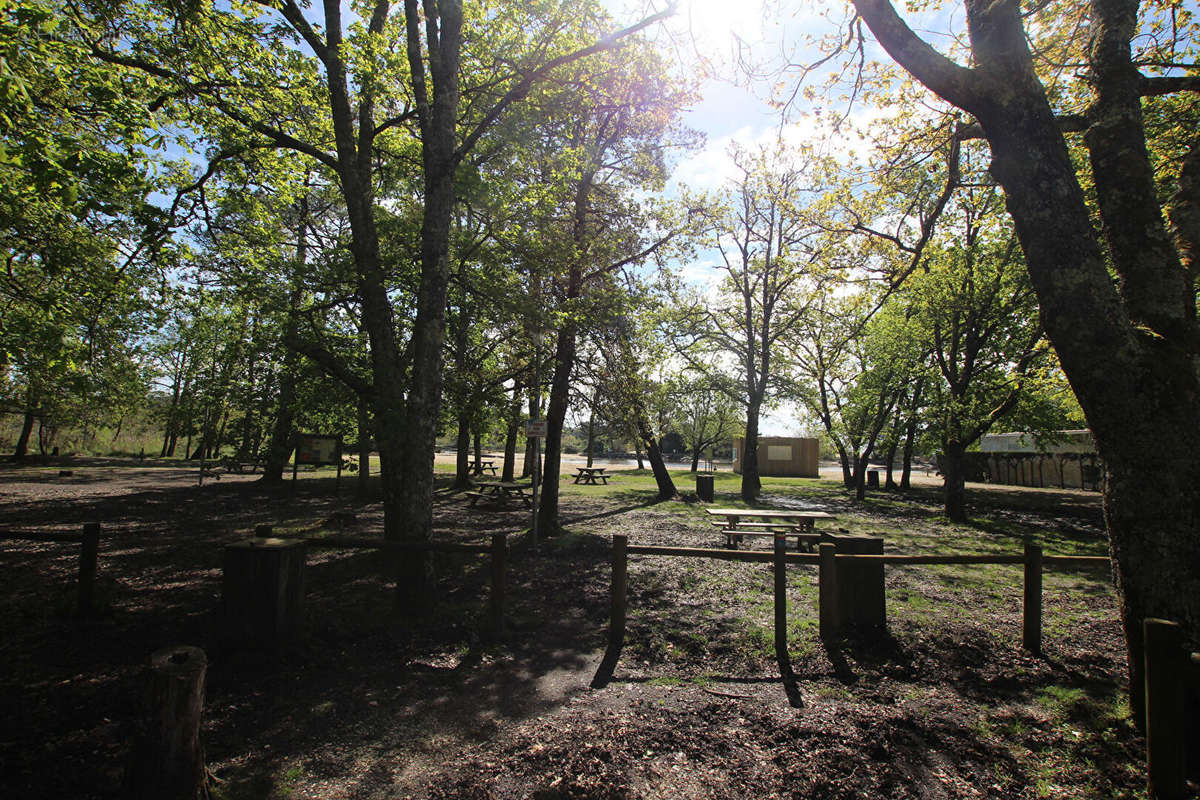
x,y
590,475
768,522
502,492
479,466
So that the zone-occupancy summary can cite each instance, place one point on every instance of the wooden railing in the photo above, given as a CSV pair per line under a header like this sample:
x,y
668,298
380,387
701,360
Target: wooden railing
x,y
1171,671
497,549
88,540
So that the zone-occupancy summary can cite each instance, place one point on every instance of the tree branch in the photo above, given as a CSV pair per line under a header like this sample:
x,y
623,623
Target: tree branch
x,y
329,363
950,81
521,90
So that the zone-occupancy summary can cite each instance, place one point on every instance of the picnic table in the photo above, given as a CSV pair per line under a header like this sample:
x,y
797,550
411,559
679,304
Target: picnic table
x,y
736,523
591,475
479,466
502,492
239,466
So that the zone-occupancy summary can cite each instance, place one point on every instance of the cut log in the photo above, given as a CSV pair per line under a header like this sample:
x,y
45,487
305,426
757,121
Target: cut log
x,y
168,760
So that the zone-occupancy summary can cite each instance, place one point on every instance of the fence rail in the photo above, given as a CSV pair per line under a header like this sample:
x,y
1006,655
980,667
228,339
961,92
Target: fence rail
x,y
1171,671
88,540
497,549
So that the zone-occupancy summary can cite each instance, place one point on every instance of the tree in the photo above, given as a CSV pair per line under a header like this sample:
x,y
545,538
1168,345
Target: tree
x,y
976,314
338,93
707,415
81,243
611,145
1128,346
629,349
767,248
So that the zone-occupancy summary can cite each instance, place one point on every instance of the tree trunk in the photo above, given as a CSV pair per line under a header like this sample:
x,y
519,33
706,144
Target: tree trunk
x,y
560,385
171,432
750,481
954,490
22,448
666,486
859,476
510,435
462,451
591,427
364,447
893,446
696,460
910,436
637,451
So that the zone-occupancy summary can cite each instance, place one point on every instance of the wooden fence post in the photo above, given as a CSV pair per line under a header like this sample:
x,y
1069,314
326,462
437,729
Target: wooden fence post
x,y
616,614
89,551
1166,721
830,613
168,762
795,700
862,602
781,651
262,591
1031,628
620,581
497,599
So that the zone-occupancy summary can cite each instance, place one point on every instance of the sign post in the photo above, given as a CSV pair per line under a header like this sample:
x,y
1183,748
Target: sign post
x,y
536,429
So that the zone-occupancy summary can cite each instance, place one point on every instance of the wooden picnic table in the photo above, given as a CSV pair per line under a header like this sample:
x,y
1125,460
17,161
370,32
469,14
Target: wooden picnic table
x,y
478,466
502,492
590,475
736,523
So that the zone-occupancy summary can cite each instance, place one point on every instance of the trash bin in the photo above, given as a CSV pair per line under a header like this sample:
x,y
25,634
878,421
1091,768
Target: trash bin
x,y
704,487
872,479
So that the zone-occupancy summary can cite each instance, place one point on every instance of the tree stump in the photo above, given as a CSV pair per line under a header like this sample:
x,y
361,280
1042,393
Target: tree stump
x,y
168,761
262,592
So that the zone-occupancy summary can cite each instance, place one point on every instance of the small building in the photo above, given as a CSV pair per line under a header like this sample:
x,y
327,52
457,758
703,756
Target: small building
x,y
781,456
1066,460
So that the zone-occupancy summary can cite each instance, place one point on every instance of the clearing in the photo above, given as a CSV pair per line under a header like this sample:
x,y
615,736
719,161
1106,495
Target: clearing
x,y
948,706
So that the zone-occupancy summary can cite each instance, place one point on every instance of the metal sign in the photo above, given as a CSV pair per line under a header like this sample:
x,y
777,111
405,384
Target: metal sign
x,y
535,428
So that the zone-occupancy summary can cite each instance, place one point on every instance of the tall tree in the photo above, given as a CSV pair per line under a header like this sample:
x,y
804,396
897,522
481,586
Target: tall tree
x,y
768,248
977,314
1128,345
612,144
335,90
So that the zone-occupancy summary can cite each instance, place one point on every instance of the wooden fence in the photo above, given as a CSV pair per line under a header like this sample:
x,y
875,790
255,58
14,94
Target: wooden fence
x,y
1171,672
497,549
89,553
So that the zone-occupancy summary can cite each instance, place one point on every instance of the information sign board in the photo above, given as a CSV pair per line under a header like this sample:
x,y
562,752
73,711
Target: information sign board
x,y
312,448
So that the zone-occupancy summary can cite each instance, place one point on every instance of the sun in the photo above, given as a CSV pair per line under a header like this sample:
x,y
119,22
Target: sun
x,y
718,24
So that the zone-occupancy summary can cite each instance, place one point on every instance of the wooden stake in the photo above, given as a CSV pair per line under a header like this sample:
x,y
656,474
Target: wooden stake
x,y
499,587
1166,720
89,552
616,614
781,651
790,688
1031,628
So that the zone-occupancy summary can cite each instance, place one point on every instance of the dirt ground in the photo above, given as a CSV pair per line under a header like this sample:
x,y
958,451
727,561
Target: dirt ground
x,y
947,705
